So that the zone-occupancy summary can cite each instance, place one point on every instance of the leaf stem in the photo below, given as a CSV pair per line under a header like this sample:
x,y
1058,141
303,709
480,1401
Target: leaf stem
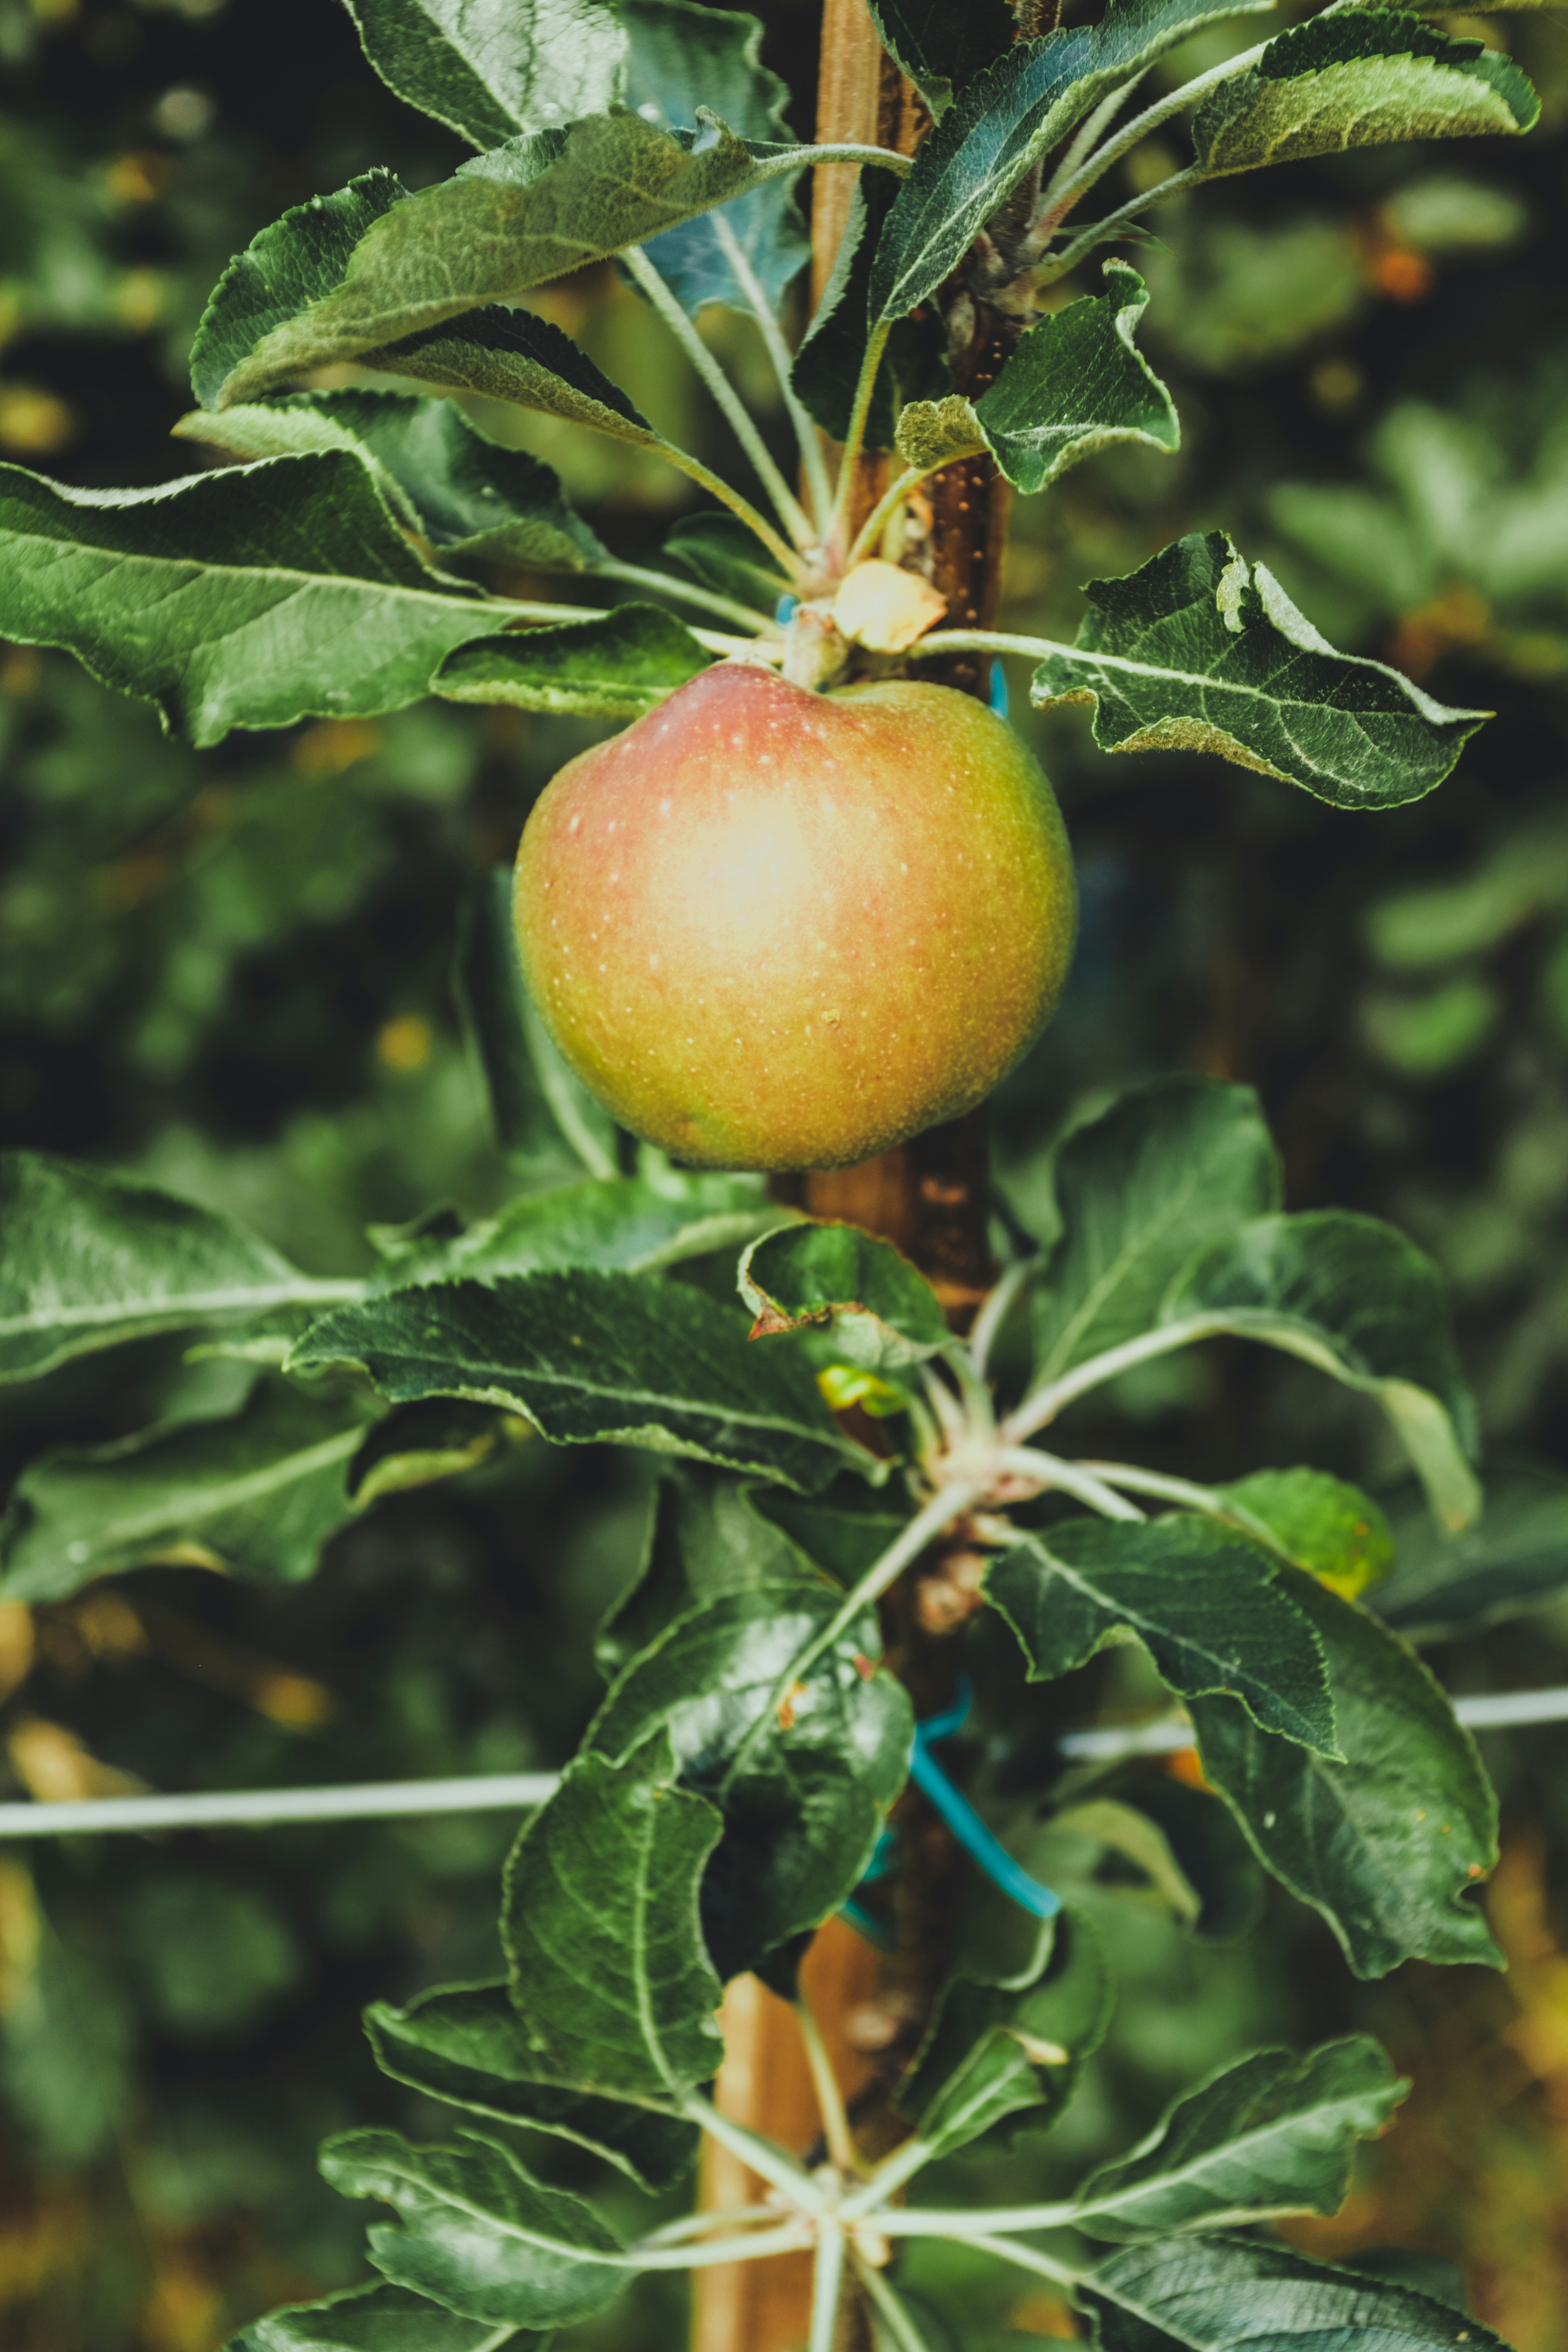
x,y
881,514
993,1315
1104,114
910,2156
1206,1499
697,2225
844,151
826,2286
686,593
1095,233
983,2221
888,2305
790,2238
1044,1403
1129,136
1028,2259
1069,1478
787,507
825,2083
762,2156
859,411
806,432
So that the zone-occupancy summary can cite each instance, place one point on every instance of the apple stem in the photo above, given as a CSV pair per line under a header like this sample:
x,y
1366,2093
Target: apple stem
x,y
787,507
806,432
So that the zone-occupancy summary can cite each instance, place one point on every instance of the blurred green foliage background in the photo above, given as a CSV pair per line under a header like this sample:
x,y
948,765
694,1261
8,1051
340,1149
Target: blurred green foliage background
x,y
230,970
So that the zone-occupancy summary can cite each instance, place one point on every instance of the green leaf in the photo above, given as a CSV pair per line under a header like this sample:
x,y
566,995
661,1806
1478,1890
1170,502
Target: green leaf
x,y
1196,652
803,1786
479,2235
1513,1560
542,1114
375,2319
617,667
1007,118
721,552
878,1311
622,1222
1206,1603
249,598
1078,383
1171,1166
833,349
467,2045
1358,77
415,1444
1014,2050
1221,2294
1389,1844
1104,1824
1330,1528
705,1537
373,266
1270,2134
1206,1847
599,1917
489,69
939,47
469,498
1353,1297
508,354
258,1495
594,1356
89,1261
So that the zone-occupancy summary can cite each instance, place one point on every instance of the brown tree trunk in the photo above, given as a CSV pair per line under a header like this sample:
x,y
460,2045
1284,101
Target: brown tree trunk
x,y
929,1197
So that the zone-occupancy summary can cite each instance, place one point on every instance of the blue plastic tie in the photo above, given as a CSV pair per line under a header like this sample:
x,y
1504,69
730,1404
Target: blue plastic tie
x,y
783,610
998,689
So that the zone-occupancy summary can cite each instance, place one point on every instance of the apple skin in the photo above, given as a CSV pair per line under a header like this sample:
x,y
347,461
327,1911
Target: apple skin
x,y
778,929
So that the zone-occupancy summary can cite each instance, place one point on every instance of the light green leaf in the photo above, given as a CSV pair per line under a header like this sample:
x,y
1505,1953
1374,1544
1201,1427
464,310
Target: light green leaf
x,y
1328,1528
89,1260
489,69
1196,652
1206,1603
874,1308
1270,2134
617,667
543,1117
250,597
258,1495
468,497
1353,1297
591,1355
479,2235
375,2319
467,2045
932,432
1171,1166
1390,1845
940,47
310,293
1006,120
1358,77
415,1444
1221,2294
803,1787
599,1918
508,354
1078,383
1513,1560
622,1222
996,2051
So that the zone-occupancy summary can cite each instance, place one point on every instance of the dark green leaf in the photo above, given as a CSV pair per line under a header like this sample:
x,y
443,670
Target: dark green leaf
x,y
1512,1560
1358,77
1328,1528
1207,1848
258,1495
1002,125
89,1260
1198,652
841,1531
721,552
467,2045
479,2235
615,1221
588,1355
1353,1297
617,667
705,1538
1207,1604
940,47
1390,1845
542,1116
280,591
415,1444
995,2050
878,1312
375,2319
468,497
1077,383
1170,1166
1270,2134
489,69
828,365
599,1917
510,354
803,1784
311,292
1222,2294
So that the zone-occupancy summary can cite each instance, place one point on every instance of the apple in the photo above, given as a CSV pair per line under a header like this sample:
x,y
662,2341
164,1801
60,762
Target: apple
x,y
775,928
